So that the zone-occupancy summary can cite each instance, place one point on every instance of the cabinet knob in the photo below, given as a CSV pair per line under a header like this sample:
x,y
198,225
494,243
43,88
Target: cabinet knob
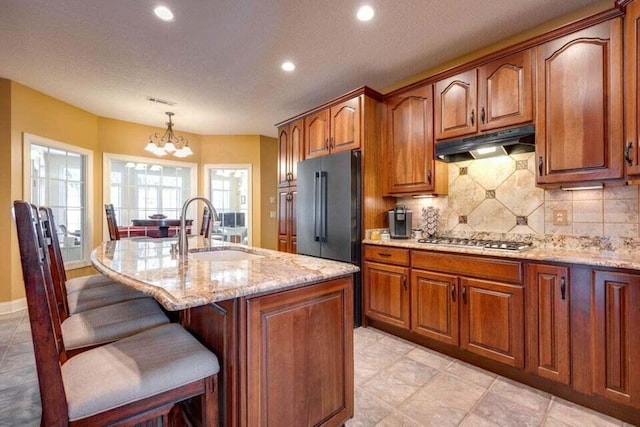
x,y
473,117
563,288
326,143
627,153
429,176
482,115
540,165
331,142
384,254
289,197
464,294
404,282
453,293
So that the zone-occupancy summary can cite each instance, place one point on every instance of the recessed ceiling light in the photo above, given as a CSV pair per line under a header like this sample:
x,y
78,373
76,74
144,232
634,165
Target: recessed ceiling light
x,y
365,13
164,13
288,66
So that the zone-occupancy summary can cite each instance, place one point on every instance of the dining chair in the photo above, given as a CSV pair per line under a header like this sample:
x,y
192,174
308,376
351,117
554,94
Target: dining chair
x,y
207,221
81,293
102,324
112,224
136,380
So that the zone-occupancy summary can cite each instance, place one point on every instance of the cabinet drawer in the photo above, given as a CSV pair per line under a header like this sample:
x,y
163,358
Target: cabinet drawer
x,y
387,255
494,269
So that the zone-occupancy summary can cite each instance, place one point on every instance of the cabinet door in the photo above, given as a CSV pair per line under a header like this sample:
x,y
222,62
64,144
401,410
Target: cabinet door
x,y
283,156
410,142
284,223
316,134
548,343
616,340
386,293
434,306
632,86
299,371
505,91
579,110
455,105
292,219
345,126
492,323
296,149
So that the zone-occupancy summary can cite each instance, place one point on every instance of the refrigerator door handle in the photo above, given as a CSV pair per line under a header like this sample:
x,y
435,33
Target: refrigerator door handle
x,y
316,206
324,178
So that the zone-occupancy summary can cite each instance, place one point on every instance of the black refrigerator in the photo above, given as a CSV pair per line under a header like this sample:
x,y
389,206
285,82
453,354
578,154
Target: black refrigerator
x,y
328,212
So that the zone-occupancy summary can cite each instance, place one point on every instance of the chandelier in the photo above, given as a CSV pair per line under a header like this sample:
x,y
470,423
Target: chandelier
x,y
169,142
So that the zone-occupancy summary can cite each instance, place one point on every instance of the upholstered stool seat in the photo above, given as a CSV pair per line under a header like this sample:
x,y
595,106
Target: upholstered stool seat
x,y
87,282
112,322
88,299
134,368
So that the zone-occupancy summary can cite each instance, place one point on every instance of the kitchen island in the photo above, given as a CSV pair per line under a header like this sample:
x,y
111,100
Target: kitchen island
x,y
281,324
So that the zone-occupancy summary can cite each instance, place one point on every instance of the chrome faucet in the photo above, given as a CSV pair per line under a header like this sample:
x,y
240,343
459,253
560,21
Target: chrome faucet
x,y
183,245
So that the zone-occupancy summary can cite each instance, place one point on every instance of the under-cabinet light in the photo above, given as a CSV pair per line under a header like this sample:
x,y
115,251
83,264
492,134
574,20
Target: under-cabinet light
x,y
587,187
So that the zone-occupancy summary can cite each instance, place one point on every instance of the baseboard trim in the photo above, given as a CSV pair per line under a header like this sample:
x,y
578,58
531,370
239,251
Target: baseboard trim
x,y
13,306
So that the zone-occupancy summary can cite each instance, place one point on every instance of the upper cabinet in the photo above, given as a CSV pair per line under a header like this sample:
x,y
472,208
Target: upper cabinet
x,y
632,85
333,129
290,152
579,106
495,95
410,143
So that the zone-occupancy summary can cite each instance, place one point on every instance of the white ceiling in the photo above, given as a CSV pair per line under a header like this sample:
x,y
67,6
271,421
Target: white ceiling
x,y
220,60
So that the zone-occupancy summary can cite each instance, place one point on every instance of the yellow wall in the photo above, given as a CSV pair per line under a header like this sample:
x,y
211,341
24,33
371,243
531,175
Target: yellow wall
x,y
269,195
6,239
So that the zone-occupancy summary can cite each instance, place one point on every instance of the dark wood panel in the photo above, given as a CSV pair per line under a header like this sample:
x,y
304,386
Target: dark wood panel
x,y
548,338
283,156
386,293
299,373
386,254
296,149
283,212
455,105
316,134
505,91
434,306
345,125
489,268
579,118
632,80
492,322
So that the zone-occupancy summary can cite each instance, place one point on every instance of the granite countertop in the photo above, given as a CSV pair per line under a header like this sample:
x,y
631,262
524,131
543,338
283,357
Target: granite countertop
x,y
571,255
147,265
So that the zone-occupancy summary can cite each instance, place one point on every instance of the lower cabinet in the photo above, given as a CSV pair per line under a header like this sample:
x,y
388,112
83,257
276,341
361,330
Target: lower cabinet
x,y
299,356
492,320
434,306
386,293
548,338
616,337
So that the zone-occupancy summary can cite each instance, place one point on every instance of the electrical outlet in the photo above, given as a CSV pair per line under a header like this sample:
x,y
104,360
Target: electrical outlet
x,y
272,214
560,217
272,199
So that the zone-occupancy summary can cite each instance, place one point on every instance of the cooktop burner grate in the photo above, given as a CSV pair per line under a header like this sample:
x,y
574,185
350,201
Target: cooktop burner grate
x,y
477,243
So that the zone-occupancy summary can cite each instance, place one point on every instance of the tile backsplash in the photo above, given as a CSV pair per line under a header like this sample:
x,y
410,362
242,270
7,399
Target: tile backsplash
x,y
498,195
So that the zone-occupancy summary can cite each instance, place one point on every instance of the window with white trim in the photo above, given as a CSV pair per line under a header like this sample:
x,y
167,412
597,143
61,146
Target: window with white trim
x,y
56,176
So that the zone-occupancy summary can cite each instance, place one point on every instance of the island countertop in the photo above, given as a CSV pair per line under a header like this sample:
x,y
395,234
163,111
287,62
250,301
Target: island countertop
x,y
149,266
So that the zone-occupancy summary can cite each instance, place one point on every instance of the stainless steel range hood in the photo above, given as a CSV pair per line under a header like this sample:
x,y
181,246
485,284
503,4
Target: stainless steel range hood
x,y
504,142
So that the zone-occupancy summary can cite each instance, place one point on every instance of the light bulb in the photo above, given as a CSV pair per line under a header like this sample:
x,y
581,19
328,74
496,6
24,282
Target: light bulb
x,y
151,147
169,147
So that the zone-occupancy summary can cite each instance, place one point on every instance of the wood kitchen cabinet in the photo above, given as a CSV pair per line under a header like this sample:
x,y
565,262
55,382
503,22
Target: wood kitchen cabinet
x,y
616,342
434,306
287,198
579,117
298,373
548,338
290,152
495,95
632,86
334,129
386,286
410,150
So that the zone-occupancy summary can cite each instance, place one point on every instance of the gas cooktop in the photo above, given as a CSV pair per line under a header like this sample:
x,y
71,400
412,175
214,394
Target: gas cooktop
x,y
477,243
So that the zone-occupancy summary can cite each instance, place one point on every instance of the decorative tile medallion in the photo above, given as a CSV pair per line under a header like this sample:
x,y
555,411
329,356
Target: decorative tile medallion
x,y
522,220
462,219
522,165
464,170
491,194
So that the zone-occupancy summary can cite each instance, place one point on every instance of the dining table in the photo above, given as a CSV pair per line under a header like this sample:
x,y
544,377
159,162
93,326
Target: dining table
x,y
162,224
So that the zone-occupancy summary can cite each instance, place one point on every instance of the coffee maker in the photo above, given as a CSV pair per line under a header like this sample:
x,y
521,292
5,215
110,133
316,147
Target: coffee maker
x,y
400,222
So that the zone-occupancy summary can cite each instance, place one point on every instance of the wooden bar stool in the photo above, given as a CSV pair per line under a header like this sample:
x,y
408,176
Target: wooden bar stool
x,y
132,381
83,293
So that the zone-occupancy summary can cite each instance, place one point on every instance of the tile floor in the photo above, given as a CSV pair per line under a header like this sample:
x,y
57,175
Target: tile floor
x,y
397,384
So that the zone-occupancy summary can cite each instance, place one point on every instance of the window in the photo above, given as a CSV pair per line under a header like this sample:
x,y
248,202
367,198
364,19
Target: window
x,y
56,176
229,189
139,187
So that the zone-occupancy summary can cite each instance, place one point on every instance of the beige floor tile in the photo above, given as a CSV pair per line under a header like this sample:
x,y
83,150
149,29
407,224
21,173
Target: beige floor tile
x,y
411,372
521,394
430,358
389,387
368,410
578,416
473,420
471,373
396,345
396,419
506,412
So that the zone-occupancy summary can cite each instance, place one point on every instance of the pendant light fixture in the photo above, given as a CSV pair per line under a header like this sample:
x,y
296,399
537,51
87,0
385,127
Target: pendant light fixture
x,y
169,142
